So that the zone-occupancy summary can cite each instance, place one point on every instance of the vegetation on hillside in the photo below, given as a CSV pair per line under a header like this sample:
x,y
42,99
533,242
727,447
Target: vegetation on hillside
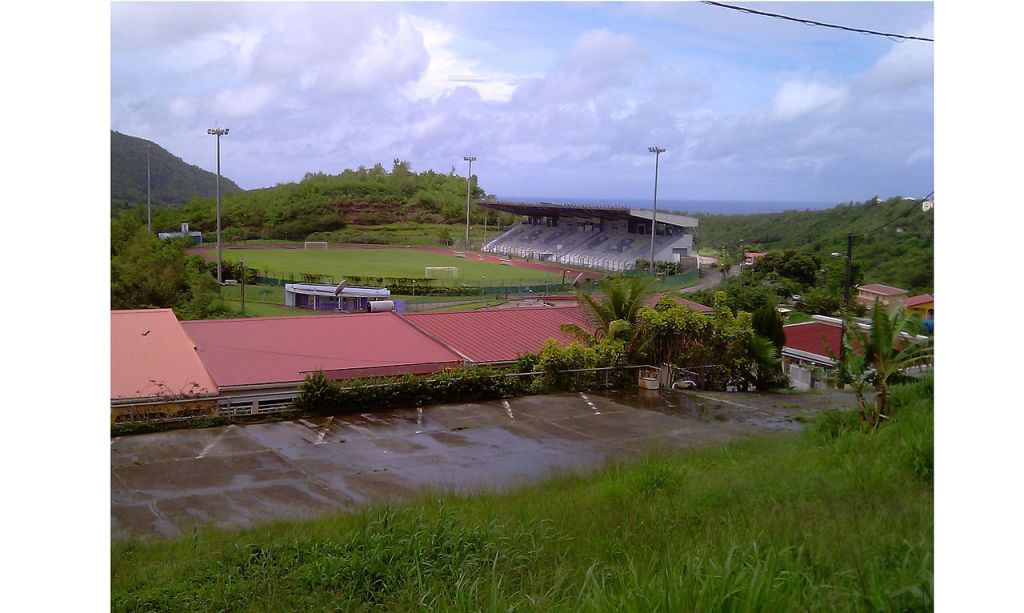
x,y
893,239
146,272
816,285
837,518
172,181
321,203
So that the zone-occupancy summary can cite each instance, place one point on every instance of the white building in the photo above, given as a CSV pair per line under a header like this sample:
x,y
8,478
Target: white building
x,y
341,298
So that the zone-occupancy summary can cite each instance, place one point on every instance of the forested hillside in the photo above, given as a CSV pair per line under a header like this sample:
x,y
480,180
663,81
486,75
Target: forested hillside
x,y
324,203
173,182
893,239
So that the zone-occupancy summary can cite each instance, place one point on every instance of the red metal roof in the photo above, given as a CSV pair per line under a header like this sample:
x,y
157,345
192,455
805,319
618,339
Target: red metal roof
x,y
278,350
812,336
499,335
878,288
920,299
151,357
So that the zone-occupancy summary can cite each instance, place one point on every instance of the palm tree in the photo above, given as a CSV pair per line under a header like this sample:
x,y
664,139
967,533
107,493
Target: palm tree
x,y
872,358
612,309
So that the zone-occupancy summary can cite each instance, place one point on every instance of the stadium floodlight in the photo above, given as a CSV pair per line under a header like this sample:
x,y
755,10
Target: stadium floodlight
x,y
657,151
469,184
218,132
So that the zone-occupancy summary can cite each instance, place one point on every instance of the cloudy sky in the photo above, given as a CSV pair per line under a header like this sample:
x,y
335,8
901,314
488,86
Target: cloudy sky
x,y
554,99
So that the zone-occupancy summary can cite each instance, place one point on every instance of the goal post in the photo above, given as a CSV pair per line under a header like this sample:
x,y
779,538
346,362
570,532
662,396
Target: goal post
x,y
441,272
315,245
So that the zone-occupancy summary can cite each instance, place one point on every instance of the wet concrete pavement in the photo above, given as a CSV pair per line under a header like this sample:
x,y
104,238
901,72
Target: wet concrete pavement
x,y
164,483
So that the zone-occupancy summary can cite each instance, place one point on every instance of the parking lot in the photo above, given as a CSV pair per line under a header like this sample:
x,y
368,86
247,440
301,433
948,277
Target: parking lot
x,y
165,483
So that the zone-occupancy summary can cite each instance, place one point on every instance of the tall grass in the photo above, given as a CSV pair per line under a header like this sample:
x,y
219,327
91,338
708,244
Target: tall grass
x,y
835,519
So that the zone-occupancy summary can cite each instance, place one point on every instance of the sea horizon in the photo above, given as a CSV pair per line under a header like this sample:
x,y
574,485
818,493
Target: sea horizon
x,y
695,206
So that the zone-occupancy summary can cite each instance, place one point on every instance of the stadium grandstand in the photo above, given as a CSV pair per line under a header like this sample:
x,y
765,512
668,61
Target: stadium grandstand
x,y
605,237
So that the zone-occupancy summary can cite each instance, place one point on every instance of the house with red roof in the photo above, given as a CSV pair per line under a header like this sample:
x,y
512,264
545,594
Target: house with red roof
x,y
154,369
812,349
886,294
751,256
922,304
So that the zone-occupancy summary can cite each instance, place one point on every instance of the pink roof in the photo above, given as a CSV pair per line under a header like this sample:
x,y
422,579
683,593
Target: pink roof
x,y
151,356
878,288
278,350
812,336
499,335
920,299
754,254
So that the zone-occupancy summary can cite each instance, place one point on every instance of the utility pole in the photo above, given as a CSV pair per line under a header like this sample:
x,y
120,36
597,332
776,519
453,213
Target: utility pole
x,y
149,200
218,132
657,151
243,287
846,306
469,185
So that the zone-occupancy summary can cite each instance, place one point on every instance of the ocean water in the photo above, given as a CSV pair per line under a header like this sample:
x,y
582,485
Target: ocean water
x,y
713,207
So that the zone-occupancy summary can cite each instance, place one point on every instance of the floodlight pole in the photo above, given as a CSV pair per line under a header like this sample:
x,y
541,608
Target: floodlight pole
x,y
657,151
218,132
149,203
469,185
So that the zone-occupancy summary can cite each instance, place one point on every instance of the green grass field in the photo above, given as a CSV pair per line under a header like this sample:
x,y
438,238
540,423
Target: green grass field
x,y
835,519
407,263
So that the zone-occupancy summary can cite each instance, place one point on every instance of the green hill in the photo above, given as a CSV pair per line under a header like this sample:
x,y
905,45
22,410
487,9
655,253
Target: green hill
x,y
893,239
323,203
173,182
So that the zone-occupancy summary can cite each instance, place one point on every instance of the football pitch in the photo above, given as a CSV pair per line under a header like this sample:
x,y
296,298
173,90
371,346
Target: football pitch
x,y
405,263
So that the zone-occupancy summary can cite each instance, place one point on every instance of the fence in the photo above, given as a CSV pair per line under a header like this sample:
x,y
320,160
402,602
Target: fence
x,y
569,380
426,287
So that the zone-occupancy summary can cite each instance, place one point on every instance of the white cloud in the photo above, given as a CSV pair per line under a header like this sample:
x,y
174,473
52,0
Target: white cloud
x,y
242,101
447,70
797,98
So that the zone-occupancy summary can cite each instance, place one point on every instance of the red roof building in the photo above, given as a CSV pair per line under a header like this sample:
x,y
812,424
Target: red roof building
x,y
811,341
886,294
278,352
496,336
752,256
151,359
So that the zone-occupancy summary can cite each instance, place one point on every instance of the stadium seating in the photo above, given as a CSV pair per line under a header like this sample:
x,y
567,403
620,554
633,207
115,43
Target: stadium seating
x,y
614,250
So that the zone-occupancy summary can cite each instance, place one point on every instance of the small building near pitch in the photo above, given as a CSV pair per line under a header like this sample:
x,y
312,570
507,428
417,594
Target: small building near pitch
x,y
155,372
184,232
338,298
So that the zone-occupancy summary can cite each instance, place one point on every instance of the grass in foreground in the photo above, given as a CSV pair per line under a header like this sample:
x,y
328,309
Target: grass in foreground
x,y
833,519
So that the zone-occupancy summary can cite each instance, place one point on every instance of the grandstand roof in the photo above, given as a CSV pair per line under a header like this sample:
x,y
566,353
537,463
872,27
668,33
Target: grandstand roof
x,y
604,211
499,335
151,357
281,350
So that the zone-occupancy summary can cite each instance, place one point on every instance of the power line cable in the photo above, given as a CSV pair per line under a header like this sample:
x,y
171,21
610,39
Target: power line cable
x,y
901,215
895,37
